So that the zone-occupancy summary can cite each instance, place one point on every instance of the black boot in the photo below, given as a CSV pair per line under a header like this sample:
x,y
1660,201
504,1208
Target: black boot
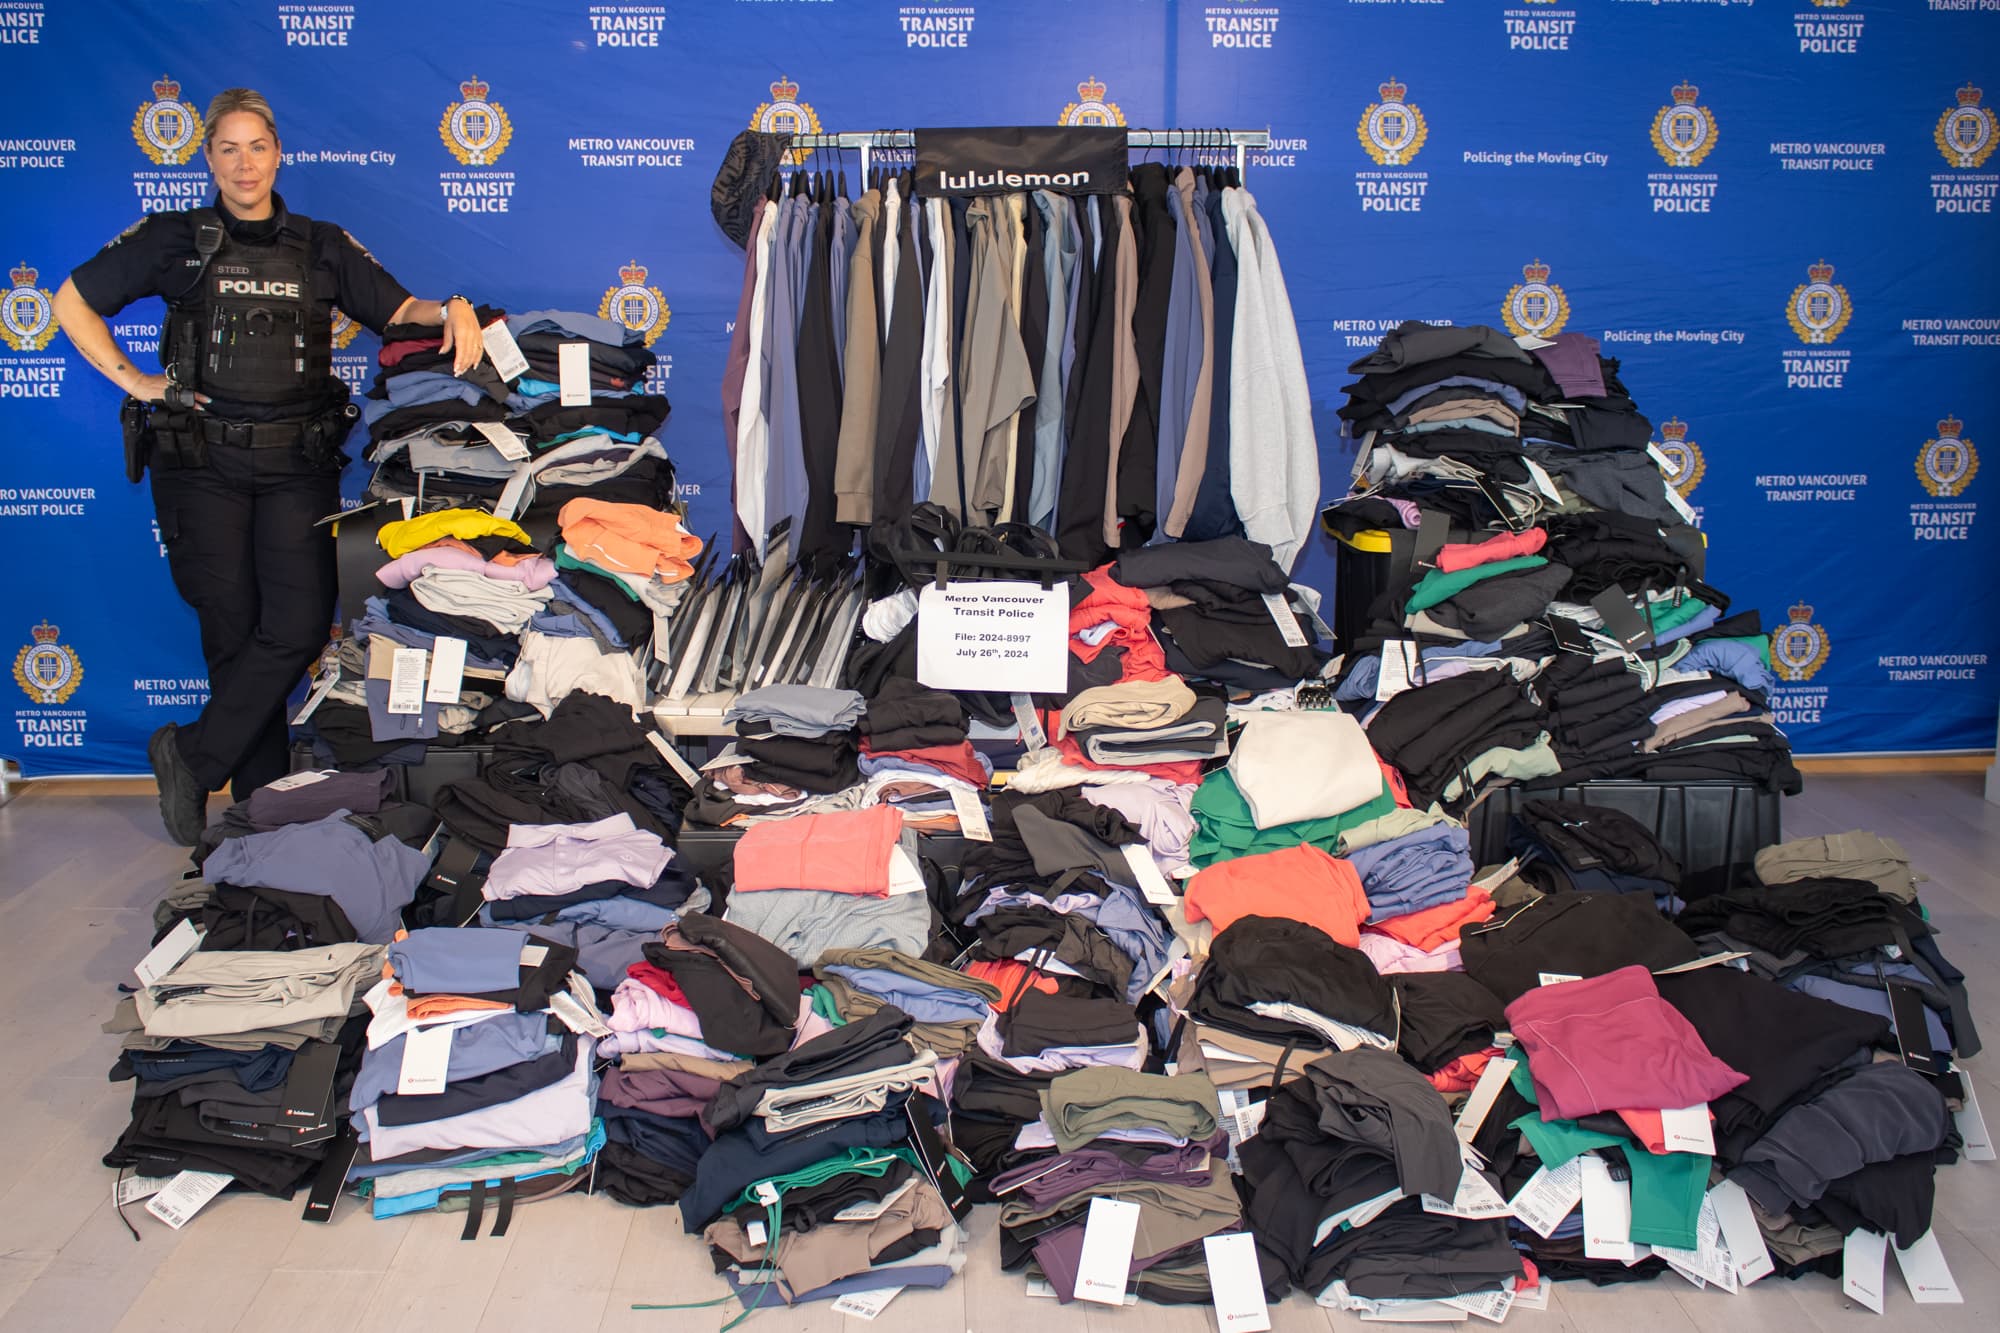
x,y
183,803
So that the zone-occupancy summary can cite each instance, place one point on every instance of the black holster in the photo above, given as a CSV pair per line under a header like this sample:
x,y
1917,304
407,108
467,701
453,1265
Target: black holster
x,y
135,419
324,434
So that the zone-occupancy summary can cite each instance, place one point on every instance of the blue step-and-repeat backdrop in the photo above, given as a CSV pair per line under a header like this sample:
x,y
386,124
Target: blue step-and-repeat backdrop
x,y
1779,214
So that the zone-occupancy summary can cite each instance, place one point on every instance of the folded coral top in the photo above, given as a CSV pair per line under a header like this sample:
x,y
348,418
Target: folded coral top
x,y
1456,556
1300,883
629,539
1610,1043
842,852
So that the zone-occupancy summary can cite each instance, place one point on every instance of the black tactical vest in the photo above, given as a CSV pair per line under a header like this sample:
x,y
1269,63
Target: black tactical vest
x,y
248,330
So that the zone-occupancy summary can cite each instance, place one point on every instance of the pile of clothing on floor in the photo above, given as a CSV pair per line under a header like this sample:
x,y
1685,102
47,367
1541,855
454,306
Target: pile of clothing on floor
x,y
1542,618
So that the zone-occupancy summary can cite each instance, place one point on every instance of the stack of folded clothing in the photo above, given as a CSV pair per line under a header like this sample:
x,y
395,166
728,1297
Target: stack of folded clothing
x,y
1211,612
804,1137
1053,885
797,737
1272,995
1352,1181
1855,855
469,1084
1568,847
1523,471
949,1010
608,872
240,1059
1842,940
1293,778
1118,1134
352,882
1137,723
840,880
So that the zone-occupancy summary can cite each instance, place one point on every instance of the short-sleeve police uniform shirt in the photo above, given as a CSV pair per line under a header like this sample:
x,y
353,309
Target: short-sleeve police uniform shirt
x,y
156,257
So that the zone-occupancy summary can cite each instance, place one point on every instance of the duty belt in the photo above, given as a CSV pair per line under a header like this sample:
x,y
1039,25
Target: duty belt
x,y
251,434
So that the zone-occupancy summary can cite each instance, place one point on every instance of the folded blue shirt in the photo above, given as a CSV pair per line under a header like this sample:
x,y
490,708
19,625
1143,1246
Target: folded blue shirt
x,y
1416,871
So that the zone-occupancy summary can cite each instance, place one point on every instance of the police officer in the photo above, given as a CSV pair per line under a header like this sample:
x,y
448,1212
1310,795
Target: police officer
x,y
244,435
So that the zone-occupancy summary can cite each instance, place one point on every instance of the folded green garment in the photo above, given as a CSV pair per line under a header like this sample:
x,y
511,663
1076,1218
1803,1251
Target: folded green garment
x,y
1438,586
1663,615
1667,1188
1224,829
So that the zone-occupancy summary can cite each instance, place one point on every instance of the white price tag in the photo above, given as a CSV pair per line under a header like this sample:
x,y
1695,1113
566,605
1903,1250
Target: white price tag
x,y
1535,1297
169,953
511,495
501,438
1004,637
1680,505
1484,1093
1740,1233
1400,659
1475,1198
1709,1262
321,688
447,674
1287,623
1927,1274
583,1021
1105,1264
1659,457
1972,1125
1688,1129
293,781
134,1188
1549,1196
1862,1261
1146,870
1235,1284
1607,1213
1492,1306
426,1055
675,759
755,1232
406,680
865,1304
184,1196
503,351
573,373
1543,482
1557,978
1030,723
971,815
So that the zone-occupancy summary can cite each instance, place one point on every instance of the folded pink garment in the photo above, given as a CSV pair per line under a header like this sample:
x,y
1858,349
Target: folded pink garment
x,y
1610,1043
537,572
1455,556
845,851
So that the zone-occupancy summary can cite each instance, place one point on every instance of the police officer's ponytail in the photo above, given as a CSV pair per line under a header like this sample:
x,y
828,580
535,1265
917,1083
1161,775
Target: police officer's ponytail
x,y
239,99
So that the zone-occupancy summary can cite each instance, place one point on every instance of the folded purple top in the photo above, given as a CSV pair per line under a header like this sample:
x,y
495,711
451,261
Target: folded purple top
x,y
1572,362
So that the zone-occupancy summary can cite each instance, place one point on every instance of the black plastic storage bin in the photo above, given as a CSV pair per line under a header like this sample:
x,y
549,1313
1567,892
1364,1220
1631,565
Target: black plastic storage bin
x,y
1362,568
1714,829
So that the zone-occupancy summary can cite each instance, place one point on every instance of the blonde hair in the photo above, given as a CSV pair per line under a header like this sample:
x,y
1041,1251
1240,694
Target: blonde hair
x,y
239,99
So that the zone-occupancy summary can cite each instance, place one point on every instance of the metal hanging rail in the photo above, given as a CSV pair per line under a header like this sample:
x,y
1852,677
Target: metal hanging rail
x,y
866,141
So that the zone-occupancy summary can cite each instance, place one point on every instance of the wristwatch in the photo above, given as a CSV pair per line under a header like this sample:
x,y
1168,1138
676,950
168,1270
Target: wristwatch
x,y
444,306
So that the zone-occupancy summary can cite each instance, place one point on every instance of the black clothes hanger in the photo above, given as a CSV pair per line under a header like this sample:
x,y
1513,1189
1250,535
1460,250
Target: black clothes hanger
x,y
843,182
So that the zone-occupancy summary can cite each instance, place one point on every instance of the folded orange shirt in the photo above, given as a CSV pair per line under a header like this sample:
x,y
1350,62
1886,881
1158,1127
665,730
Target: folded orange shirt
x,y
1646,1125
843,852
1433,926
1013,978
1300,883
629,539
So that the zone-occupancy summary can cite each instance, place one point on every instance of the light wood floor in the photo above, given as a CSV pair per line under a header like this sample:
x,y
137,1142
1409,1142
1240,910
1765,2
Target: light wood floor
x,y
78,875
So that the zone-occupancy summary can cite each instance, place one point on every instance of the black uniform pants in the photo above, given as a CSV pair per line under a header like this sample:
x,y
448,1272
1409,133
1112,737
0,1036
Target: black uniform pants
x,y
245,555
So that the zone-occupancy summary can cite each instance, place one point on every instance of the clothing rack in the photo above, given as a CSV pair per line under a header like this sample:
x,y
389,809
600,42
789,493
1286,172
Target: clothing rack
x,y
866,141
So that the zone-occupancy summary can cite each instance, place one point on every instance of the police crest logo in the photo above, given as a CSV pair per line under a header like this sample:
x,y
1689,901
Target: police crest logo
x,y
1799,649
167,129
46,670
1535,308
1967,133
1391,130
345,330
28,318
475,130
1819,309
786,114
1684,133
1947,463
632,303
1684,466
1090,108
